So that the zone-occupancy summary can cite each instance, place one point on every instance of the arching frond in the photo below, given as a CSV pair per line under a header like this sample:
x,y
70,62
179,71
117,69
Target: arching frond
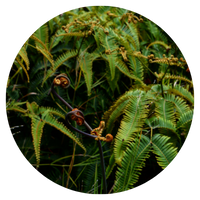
x,y
59,61
186,118
42,35
110,45
132,164
178,78
86,66
49,119
37,130
180,91
164,150
24,56
134,117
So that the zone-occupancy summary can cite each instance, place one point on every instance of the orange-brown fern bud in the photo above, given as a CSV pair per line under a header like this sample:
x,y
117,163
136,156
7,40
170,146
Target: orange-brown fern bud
x,y
79,121
73,117
64,82
56,81
109,138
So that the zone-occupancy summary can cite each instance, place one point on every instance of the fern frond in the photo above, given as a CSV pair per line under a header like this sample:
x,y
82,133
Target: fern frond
x,y
178,78
160,43
186,118
43,37
137,68
46,54
117,108
163,123
153,29
86,66
134,33
52,111
180,91
39,43
110,45
165,127
134,117
123,68
54,40
14,106
24,56
165,152
50,120
36,131
165,110
179,104
33,108
132,164
59,61
23,67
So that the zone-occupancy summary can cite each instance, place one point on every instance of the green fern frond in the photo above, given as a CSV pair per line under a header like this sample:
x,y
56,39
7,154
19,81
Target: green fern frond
x,y
33,108
160,43
43,37
178,78
52,111
117,108
132,164
39,43
15,106
180,105
59,61
137,68
110,45
36,131
49,119
115,114
153,29
165,152
24,56
134,117
186,118
166,127
180,91
123,68
46,54
134,33
165,124
23,67
165,109
86,66
63,58
54,40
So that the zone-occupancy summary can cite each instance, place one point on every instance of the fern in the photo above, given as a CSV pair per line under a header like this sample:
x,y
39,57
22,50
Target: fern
x,y
185,121
165,152
58,62
86,66
132,122
39,117
132,164
41,37
109,44
24,56
36,130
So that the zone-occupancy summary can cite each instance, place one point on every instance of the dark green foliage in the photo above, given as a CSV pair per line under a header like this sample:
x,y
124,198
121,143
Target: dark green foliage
x,y
124,70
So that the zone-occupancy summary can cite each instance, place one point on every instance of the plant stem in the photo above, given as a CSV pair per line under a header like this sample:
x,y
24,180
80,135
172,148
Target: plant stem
x,y
89,135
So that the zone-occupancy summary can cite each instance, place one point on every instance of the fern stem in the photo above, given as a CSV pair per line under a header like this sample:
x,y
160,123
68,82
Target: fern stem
x,y
84,133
